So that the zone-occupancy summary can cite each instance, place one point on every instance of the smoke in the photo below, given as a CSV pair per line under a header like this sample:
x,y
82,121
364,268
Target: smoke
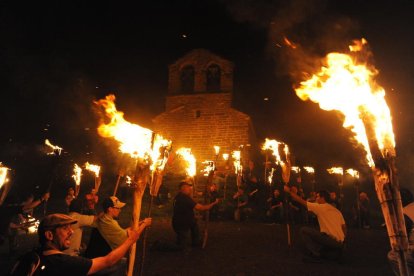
x,y
300,32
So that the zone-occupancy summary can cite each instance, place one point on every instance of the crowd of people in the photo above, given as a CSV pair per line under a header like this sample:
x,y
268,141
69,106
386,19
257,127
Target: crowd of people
x,y
62,246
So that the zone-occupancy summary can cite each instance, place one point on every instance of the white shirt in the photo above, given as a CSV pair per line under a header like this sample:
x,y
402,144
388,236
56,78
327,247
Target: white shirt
x,y
330,219
76,238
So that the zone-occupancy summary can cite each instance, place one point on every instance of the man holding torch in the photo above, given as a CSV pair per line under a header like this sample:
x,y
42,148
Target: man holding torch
x,y
183,219
330,238
54,236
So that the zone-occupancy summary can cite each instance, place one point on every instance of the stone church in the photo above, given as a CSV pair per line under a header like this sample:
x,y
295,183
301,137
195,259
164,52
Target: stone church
x,y
198,112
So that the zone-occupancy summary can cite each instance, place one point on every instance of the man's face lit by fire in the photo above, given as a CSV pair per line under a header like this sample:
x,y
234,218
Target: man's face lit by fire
x,y
60,237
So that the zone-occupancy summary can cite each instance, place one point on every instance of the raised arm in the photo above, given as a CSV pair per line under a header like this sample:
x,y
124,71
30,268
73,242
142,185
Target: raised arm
x,y
116,254
295,197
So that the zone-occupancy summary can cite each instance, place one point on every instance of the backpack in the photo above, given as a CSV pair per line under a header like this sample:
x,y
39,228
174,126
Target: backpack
x,y
26,264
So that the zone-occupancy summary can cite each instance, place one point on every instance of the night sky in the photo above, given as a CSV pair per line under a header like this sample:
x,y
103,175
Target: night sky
x,y
56,58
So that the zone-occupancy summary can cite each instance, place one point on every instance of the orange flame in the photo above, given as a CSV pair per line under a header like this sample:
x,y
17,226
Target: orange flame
x,y
209,167
77,174
93,168
273,145
226,156
309,169
347,85
336,170
190,160
238,168
3,175
160,145
353,173
53,147
270,176
217,149
134,139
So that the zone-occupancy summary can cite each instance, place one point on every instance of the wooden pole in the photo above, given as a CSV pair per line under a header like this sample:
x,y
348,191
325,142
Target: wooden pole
x,y
140,180
388,193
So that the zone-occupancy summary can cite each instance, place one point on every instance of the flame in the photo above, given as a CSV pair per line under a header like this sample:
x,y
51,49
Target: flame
x,y
347,85
353,173
336,170
217,149
209,167
273,145
77,174
237,164
226,156
190,160
3,175
134,139
128,180
159,152
53,147
295,169
309,169
270,176
93,168
289,43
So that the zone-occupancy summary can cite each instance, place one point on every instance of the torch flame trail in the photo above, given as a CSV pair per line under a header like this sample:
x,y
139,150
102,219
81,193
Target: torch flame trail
x,y
217,150
93,168
190,160
226,156
134,139
53,147
346,85
3,175
296,169
336,170
236,161
309,169
77,174
353,173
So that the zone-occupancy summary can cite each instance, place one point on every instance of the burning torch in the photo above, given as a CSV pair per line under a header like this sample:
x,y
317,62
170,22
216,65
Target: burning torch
x,y
346,84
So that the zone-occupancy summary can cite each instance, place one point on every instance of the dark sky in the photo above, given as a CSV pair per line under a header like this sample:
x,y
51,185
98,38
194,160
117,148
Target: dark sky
x,y
56,58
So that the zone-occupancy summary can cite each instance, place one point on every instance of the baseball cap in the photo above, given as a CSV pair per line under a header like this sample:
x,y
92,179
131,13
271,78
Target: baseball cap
x,y
112,201
55,220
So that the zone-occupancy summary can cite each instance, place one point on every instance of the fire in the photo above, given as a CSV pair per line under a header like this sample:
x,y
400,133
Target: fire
x,y
93,168
237,164
217,150
209,167
3,175
128,180
77,174
158,155
353,173
273,145
226,156
296,169
270,176
336,170
134,139
346,84
309,169
190,160
53,147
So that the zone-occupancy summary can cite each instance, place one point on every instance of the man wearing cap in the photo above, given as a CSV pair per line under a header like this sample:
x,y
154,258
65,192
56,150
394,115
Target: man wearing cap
x,y
107,224
183,219
54,236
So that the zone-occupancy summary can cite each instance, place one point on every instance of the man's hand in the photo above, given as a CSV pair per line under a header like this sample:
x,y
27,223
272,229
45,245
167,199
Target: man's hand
x,y
286,188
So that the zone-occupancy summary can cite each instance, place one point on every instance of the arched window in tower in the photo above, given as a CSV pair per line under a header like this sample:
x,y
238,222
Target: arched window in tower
x,y
187,79
213,78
